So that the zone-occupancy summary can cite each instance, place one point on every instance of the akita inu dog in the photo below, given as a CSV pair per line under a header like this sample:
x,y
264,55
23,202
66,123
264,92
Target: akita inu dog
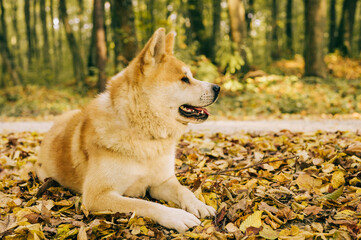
x,y
123,143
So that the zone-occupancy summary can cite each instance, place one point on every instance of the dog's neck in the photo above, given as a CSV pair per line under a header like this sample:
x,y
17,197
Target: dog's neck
x,y
139,117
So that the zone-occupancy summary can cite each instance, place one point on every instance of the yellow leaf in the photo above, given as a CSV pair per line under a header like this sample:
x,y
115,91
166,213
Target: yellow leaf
x,y
338,179
253,220
202,163
345,215
144,230
354,181
211,199
294,230
268,233
317,227
308,183
192,235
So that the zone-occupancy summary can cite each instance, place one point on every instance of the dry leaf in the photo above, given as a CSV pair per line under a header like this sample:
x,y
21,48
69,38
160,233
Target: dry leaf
x,y
253,220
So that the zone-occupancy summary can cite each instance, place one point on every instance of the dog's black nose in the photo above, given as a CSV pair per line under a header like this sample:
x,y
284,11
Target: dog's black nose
x,y
216,88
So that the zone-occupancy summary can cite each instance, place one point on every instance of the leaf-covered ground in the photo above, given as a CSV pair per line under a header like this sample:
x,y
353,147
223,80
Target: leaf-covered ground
x,y
271,186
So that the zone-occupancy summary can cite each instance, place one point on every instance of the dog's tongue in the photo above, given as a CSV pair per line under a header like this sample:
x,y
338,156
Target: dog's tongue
x,y
200,109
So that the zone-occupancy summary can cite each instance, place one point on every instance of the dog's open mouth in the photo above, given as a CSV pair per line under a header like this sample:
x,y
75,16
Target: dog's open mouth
x,y
193,112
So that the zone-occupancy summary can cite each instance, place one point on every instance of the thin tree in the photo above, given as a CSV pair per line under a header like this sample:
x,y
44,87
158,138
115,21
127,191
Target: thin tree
x,y
289,32
81,17
195,11
123,29
150,8
359,33
332,28
345,29
275,51
6,55
91,64
17,33
46,55
216,28
78,65
34,31
56,59
101,47
28,32
250,15
237,17
315,20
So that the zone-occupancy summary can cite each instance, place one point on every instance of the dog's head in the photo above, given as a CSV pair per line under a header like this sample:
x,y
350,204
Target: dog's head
x,y
167,84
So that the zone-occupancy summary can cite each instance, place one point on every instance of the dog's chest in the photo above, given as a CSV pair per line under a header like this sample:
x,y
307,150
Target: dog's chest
x,y
133,178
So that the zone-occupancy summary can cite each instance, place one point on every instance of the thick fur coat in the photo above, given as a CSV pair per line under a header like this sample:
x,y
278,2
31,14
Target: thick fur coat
x,y
122,144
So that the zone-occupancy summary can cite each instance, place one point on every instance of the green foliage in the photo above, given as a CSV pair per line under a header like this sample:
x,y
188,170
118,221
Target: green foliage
x,y
34,101
277,95
228,58
205,70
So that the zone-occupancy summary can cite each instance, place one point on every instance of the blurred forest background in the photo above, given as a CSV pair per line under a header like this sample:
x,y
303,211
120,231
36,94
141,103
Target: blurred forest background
x,y
273,58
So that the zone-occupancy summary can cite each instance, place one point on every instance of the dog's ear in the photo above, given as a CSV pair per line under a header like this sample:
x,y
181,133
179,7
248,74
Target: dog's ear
x,y
169,42
154,50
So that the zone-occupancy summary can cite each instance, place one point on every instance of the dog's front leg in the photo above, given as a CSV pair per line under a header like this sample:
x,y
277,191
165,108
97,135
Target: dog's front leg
x,y
105,199
172,190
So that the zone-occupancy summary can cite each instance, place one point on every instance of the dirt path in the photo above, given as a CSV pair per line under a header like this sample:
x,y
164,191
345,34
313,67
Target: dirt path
x,y
224,126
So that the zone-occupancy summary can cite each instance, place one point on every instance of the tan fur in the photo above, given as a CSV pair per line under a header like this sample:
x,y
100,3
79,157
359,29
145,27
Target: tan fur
x,y
123,143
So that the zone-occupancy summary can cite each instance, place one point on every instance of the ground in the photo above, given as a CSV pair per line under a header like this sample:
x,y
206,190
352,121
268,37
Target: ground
x,y
275,184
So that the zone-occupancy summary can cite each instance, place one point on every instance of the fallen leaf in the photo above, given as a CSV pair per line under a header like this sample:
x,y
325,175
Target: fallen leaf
x,y
308,183
253,220
312,210
268,233
338,179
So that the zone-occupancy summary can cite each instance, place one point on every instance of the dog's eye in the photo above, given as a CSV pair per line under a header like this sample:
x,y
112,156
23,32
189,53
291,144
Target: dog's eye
x,y
185,79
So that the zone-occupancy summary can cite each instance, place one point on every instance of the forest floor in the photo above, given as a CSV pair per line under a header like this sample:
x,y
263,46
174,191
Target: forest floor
x,y
264,181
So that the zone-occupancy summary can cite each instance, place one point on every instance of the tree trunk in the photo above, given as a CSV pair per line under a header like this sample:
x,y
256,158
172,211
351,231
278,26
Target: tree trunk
x,y
80,16
28,32
250,15
78,66
198,29
345,30
332,29
150,8
46,56
101,47
275,51
237,17
17,34
315,19
124,35
359,33
34,32
237,21
56,61
289,33
5,52
216,26
92,50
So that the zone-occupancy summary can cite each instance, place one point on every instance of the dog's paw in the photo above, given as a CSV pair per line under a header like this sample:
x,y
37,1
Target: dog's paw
x,y
198,208
178,219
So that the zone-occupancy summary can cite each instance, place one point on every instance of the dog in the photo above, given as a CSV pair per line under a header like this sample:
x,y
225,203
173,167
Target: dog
x,y
122,144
